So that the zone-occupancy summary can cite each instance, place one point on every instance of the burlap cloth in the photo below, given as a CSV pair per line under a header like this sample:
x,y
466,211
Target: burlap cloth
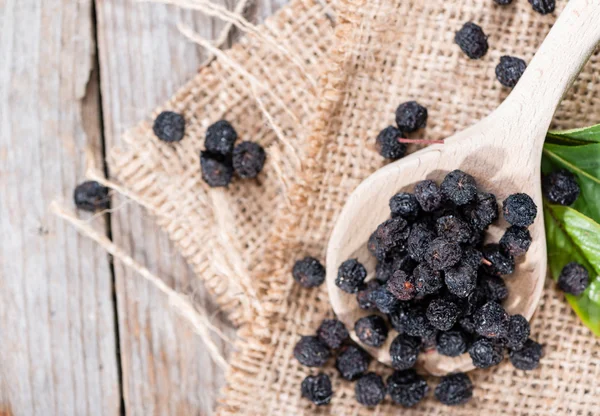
x,y
243,241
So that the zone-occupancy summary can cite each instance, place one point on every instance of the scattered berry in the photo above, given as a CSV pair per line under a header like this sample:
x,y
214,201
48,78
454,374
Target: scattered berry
x,y
217,170
418,242
461,279
459,187
486,353
384,300
411,116
169,126
405,205
309,272
483,211
402,286
311,352
427,281
364,297
560,187
220,138
248,159
352,363
351,276
442,254
388,145
454,389
493,287
332,333
573,279
518,332
515,241
91,196
471,39
519,209
317,389
509,70
492,321
428,195
371,330
406,388
370,390
543,6
442,314
451,343
404,351
503,2
497,263
528,357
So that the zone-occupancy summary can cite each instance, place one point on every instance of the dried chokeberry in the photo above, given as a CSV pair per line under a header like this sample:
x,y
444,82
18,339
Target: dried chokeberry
x,y
220,138
217,170
332,333
411,116
442,254
317,389
518,332
497,262
311,352
402,285
405,205
482,211
560,187
169,126
371,330
428,195
574,279
426,280
248,159
352,362
471,39
459,187
309,272
519,209
91,196
418,242
472,257
351,276
451,343
454,389
364,296
404,351
543,6
528,357
468,324
384,300
406,388
485,353
398,317
389,235
388,145
509,70
493,287
416,324
453,228
442,314
503,2
492,321
515,241
370,390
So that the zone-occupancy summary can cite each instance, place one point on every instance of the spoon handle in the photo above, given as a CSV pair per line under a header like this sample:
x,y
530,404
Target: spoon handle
x,y
553,69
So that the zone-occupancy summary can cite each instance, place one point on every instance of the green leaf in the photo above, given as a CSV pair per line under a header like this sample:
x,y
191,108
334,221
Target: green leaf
x,y
576,136
584,163
571,236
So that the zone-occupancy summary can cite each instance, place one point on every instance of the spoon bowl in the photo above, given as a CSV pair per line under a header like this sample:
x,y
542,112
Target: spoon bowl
x,y
502,152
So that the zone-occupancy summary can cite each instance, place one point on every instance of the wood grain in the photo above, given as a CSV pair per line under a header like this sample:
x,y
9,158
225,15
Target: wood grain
x,y
57,322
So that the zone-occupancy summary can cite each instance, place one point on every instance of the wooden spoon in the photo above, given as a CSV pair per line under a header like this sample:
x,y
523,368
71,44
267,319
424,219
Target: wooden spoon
x,y
502,152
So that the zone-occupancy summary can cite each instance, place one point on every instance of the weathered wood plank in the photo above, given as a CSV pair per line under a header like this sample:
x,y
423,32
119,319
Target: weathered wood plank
x,y
57,322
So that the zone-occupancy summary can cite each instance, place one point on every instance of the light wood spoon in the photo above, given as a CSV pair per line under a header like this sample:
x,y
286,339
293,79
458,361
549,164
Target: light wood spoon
x,y
502,152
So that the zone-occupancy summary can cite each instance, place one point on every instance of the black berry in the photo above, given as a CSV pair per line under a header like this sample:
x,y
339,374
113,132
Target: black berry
x,y
309,272
428,195
426,280
453,228
460,279
492,321
418,242
248,159
468,324
352,363
371,330
317,389
442,254
364,297
220,138
405,205
573,279
451,343
503,2
482,211
406,388
91,196
472,257
370,390
560,187
388,145
471,39
217,170
404,351
388,235
493,287
442,314
543,6
384,301
515,241
311,352
351,276
496,262
454,389
411,116
169,126
528,357
332,333
416,324
519,209
485,353
509,70
518,332
459,187
402,285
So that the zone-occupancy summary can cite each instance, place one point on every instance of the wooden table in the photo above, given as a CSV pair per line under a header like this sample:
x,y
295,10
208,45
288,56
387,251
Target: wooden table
x,y
80,334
